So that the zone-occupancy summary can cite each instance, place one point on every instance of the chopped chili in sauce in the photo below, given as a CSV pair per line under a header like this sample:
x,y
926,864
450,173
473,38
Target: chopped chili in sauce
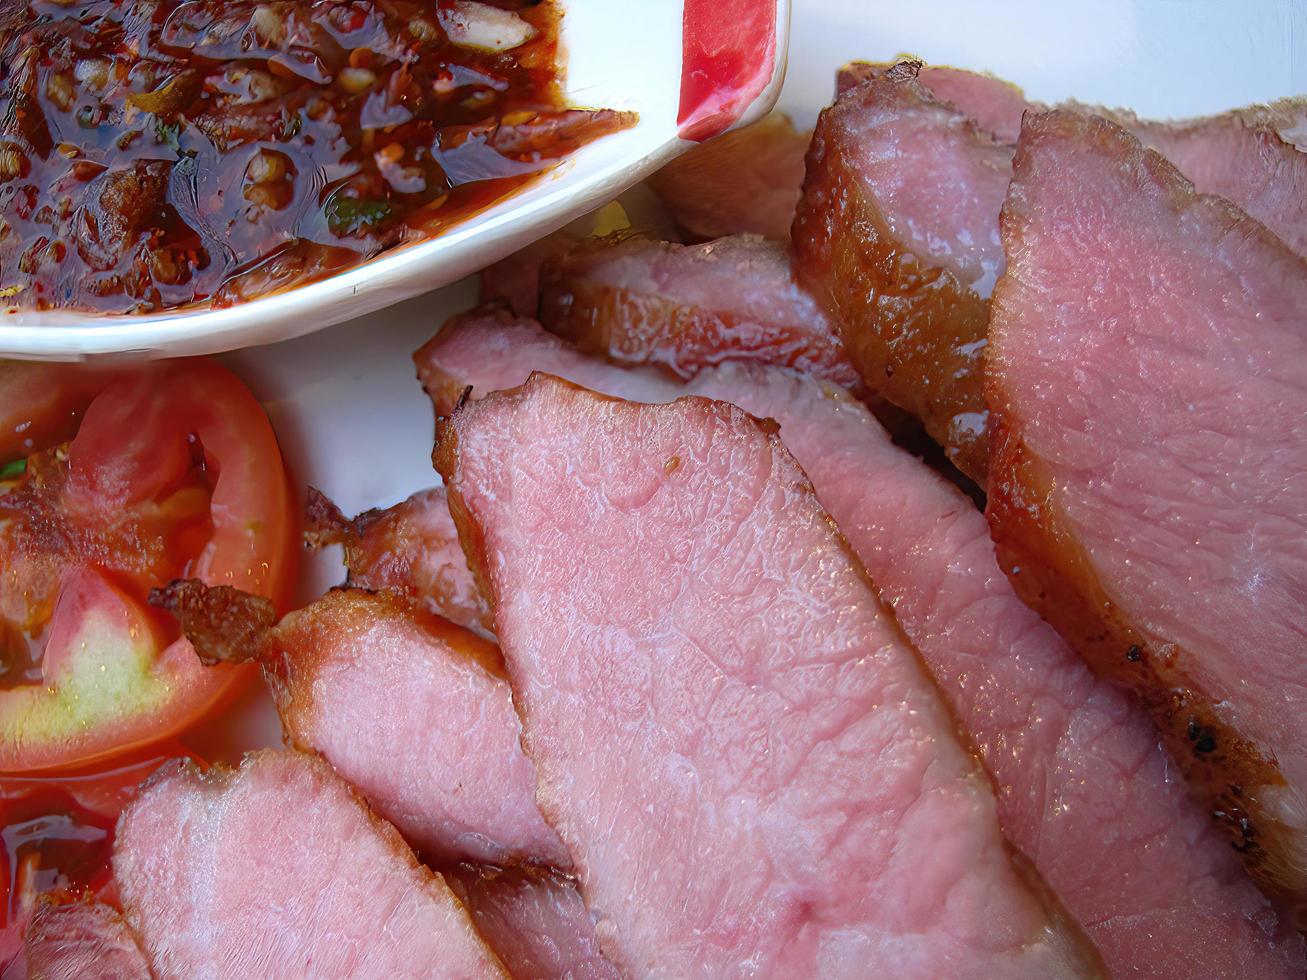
x,y
160,153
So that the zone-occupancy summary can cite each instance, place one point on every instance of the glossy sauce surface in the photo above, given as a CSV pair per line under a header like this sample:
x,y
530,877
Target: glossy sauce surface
x,y
157,153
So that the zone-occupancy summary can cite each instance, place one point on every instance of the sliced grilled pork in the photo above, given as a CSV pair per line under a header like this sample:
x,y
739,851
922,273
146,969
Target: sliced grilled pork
x,y
742,182
535,920
82,941
745,759
1079,771
416,714
1252,156
897,233
897,237
514,280
411,548
446,766
475,349
992,103
735,294
278,869
411,709
1149,480
1237,157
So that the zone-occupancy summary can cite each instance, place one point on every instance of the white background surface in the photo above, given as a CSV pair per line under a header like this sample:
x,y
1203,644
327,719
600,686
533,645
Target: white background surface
x,y
352,418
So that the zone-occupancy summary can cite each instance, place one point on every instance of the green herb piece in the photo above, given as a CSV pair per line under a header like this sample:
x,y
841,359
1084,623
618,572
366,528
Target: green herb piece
x,y
13,469
348,216
169,134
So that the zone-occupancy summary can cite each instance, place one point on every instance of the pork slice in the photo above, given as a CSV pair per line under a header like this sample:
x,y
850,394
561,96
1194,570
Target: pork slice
x,y
411,548
82,941
514,281
1079,771
992,103
1240,156
735,294
278,869
897,234
897,237
535,919
742,182
1149,494
416,713
411,709
1252,155
749,767
418,716
470,355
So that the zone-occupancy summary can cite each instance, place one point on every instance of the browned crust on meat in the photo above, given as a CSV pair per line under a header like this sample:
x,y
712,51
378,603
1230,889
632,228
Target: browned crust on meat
x,y
636,328
913,330
325,523
225,625
854,73
444,391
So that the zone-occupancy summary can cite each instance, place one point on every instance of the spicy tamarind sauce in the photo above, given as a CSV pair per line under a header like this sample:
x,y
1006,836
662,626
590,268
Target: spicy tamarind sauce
x,y
160,153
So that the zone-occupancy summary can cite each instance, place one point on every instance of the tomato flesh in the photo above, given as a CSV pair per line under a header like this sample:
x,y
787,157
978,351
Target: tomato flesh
x,y
174,470
45,537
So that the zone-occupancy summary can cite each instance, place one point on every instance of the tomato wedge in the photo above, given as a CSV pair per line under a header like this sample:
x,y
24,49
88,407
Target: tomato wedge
x,y
173,471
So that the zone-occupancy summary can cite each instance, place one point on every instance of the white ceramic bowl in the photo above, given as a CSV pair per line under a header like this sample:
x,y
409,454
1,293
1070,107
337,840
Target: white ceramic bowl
x,y
689,68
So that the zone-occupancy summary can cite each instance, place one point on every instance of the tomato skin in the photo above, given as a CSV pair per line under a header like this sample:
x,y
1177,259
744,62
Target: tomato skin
x,y
108,684
40,404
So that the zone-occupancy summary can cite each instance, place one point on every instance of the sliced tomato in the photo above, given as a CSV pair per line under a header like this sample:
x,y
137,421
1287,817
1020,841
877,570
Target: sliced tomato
x,y
173,471
56,835
42,403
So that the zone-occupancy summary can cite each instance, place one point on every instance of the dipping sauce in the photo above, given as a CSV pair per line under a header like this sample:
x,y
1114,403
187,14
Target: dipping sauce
x,y
161,153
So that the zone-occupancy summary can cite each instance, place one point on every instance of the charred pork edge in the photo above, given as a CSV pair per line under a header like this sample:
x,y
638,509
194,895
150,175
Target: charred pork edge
x,y
831,192
1224,771
324,523
223,624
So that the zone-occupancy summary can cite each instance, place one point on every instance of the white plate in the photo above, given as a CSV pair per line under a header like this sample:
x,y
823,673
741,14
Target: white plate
x,y
686,67
351,416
